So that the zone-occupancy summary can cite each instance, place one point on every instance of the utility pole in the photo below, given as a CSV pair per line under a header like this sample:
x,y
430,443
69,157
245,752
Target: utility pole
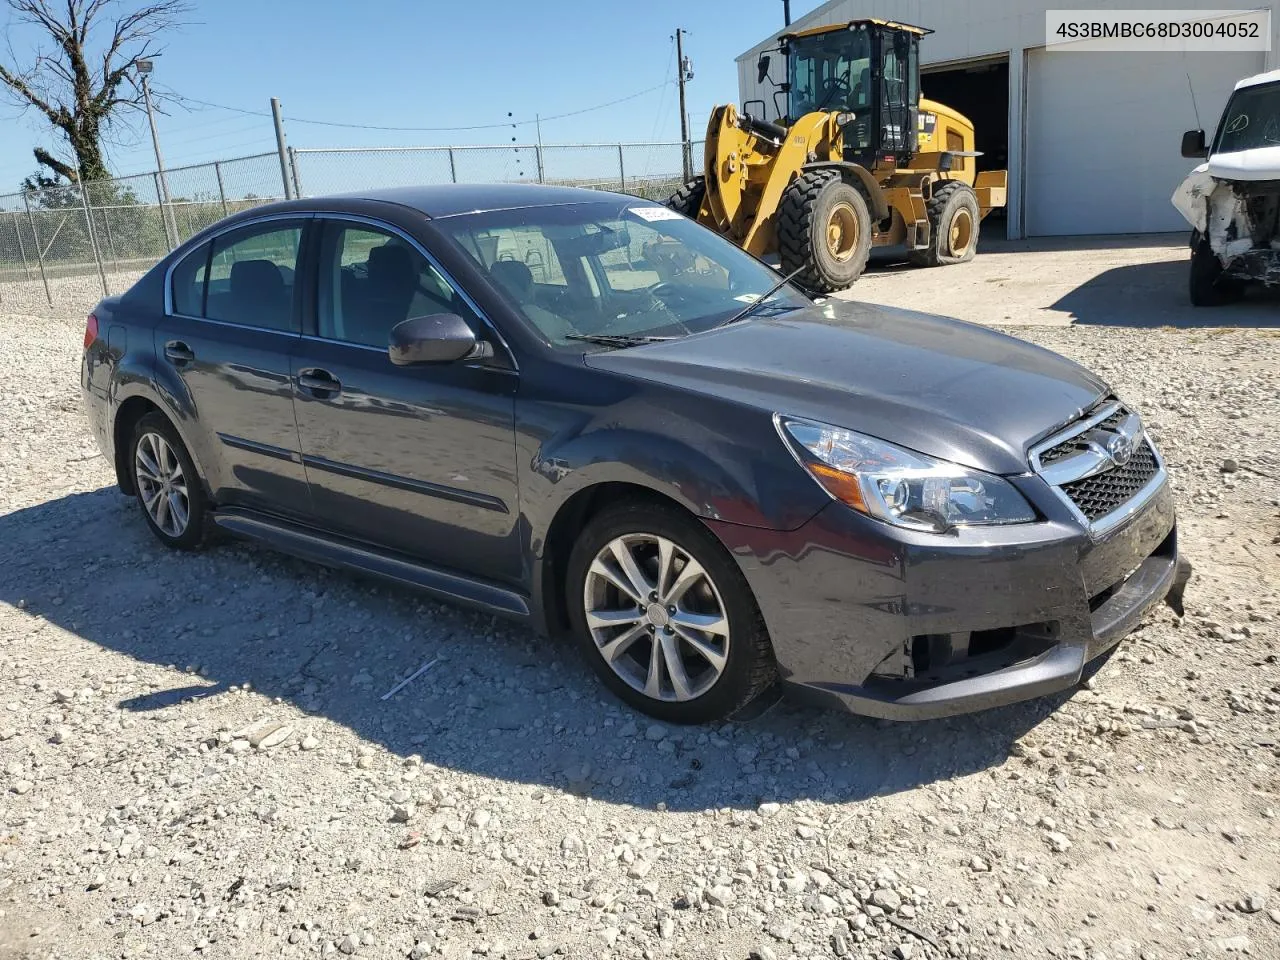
x,y
282,148
166,202
684,73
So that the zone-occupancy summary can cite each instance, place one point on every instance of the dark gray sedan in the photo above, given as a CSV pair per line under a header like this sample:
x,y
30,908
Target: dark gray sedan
x,y
583,411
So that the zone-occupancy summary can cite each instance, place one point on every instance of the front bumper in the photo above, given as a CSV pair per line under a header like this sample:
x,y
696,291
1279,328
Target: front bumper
x,y
903,625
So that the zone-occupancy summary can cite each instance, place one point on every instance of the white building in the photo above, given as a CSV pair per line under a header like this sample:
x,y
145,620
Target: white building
x,y
1090,139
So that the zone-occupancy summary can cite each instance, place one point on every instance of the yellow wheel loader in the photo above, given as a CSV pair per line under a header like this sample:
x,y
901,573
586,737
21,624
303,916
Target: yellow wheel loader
x,y
856,159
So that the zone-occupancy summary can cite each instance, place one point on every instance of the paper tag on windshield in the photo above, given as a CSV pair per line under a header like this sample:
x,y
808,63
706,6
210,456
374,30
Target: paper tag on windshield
x,y
655,213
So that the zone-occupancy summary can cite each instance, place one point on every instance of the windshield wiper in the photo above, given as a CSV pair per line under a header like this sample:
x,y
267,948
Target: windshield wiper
x,y
616,339
751,307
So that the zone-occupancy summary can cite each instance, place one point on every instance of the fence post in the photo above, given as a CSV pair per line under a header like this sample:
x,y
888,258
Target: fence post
x,y
222,193
17,232
93,236
39,253
164,214
453,167
622,172
111,241
293,168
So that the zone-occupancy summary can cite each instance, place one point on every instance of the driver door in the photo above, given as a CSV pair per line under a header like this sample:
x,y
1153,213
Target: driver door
x,y
417,459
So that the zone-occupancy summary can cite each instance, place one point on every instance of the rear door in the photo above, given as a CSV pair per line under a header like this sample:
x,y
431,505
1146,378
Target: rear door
x,y
418,459
232,321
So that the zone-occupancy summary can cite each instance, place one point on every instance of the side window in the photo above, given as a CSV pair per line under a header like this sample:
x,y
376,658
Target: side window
x,y
188,280
251,276
371,280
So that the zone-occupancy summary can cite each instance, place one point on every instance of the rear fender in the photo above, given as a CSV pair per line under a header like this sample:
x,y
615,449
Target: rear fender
x,y
161,386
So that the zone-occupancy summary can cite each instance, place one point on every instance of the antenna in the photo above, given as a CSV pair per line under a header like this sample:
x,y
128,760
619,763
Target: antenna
x,y
1194,108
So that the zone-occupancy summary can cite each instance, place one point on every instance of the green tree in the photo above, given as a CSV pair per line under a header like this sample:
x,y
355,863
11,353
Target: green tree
x,y
84,76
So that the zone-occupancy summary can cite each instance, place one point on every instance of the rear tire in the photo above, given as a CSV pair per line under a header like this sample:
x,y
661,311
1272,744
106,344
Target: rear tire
x,y
168,486
954,218
688,199
622,621
824,231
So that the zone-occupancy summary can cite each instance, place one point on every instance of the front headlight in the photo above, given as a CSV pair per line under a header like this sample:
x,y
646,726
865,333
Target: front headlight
x,y
898,486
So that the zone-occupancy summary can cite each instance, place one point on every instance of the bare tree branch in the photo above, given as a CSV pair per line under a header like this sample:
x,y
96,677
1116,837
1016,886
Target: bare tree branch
x,y
78,100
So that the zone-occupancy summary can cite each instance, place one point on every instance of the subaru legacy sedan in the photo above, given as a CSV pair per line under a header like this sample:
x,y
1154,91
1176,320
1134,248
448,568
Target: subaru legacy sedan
x,y
585,412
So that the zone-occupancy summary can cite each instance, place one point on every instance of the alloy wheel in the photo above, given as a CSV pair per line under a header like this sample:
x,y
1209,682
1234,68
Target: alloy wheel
x,y
162,484
656,617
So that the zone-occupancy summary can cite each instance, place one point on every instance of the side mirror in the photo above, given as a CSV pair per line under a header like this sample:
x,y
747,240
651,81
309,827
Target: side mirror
x,y
1193,144
762,65
439,338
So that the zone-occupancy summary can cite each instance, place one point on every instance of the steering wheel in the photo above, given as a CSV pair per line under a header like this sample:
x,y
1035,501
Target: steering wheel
x,y
834,85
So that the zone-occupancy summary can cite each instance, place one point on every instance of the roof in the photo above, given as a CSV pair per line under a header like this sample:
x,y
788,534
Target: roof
x,y
451,199
1271,76
846,24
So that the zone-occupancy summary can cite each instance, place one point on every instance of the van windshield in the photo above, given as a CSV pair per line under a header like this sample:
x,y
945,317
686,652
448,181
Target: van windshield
x,y
616,268
1251,120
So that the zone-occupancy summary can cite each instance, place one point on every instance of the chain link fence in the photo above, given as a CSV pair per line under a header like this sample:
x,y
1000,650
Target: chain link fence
x,y
62,248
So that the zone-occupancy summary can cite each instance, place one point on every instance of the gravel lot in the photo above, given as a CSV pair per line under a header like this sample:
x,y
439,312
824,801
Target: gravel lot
x,y
197,756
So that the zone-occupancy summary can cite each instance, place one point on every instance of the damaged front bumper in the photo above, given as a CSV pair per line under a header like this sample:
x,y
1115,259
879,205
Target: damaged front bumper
x,y
905,625
1238,219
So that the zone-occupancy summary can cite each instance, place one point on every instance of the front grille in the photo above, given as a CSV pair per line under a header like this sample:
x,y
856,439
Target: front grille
x,y
1080,463
1102,493
1076,444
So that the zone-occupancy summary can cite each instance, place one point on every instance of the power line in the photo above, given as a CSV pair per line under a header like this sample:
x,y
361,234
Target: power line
x,y
482,126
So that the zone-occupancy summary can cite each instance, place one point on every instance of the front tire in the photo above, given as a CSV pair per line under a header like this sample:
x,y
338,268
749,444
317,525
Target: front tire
x,y
168,486
1206,285
954,218
824,230
688,199
664,615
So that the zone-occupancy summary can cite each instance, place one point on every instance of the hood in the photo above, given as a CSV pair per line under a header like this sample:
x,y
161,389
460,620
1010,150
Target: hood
x,y
942,387
1260,163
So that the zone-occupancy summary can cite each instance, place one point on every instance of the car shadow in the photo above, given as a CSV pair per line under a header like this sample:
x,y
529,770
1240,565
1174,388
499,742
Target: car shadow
x,y
1154,295
499,701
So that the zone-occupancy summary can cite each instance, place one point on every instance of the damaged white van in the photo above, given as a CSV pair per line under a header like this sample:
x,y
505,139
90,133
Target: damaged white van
x,y
1232,201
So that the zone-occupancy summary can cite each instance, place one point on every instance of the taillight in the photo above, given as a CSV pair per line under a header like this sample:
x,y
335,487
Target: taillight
x,y
90,331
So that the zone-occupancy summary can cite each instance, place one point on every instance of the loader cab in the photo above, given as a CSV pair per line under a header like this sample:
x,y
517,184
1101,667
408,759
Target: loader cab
x,y
868,73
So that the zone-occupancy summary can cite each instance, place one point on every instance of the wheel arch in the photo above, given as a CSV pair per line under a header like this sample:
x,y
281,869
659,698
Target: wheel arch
x,y
571,516
860,177
132,408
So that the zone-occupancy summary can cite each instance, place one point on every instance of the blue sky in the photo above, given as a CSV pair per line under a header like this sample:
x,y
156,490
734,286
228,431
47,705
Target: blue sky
x,y
419,63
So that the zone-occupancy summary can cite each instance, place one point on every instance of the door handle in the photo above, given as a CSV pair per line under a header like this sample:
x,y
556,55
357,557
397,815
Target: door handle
x,y
319,383
178,353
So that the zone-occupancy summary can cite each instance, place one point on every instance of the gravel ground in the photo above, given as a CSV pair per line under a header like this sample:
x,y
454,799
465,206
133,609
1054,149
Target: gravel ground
x,y
197,756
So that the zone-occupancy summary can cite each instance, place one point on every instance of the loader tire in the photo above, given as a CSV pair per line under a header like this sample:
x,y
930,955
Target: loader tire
x,y
688,199
954,218
824,231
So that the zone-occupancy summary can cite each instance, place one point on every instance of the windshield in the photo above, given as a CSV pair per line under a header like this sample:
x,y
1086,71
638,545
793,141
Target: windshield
x,y
830,71
1251,120
623,268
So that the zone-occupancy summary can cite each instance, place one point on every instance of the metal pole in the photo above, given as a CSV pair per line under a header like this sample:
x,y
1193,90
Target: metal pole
x,y
453,167
17,231
282,148
786,13
222,192
684,119
39,253
164,215
622,172
542,178
93,237
293,166
162,189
